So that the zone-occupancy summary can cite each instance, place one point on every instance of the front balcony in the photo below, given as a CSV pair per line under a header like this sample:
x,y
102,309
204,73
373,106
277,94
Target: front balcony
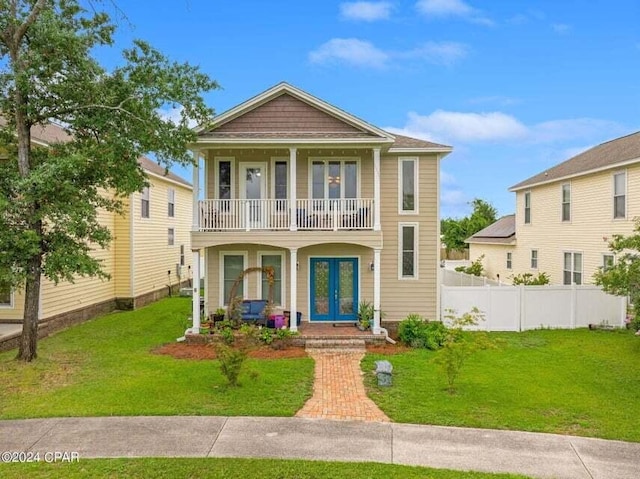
x,y
275,215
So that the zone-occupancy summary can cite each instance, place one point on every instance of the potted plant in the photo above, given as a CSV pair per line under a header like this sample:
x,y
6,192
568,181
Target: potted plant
x,y
218,314
365,315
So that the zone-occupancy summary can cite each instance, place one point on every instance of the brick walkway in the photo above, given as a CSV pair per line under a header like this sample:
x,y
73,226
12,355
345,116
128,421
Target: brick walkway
x,y
338,390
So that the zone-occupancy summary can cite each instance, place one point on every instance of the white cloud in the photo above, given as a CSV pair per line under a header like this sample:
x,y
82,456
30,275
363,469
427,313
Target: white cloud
x,y
366,11
468,127
561,28
452,8
174,115
364,54
351,51
440,53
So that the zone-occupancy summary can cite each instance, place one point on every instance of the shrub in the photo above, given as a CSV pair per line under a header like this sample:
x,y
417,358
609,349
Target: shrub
x,y
528,279
475,268
231,360
417,332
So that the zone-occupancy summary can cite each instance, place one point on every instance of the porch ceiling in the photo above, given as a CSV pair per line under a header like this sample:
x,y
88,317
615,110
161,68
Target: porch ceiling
x,y
286,239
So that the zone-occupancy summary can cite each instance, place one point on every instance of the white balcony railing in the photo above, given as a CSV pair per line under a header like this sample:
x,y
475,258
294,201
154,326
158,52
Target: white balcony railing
x,y
310,214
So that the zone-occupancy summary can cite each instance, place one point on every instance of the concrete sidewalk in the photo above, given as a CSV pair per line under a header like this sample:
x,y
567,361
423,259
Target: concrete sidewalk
x,y
531,454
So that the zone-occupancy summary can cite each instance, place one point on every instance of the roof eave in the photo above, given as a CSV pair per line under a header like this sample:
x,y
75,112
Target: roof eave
x,y
444,150
282,142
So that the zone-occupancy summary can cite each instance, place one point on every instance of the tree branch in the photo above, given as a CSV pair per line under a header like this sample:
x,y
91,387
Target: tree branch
x,y
22,29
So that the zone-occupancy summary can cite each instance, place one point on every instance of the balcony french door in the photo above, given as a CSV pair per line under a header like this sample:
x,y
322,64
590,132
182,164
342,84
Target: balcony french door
x,y
253,180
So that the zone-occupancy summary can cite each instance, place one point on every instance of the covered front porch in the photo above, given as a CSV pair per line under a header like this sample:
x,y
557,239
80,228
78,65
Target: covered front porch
x,y
325,282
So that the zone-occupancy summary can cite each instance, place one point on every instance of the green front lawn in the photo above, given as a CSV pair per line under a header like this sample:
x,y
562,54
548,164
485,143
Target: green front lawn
x,y
105,367
577,382
231,469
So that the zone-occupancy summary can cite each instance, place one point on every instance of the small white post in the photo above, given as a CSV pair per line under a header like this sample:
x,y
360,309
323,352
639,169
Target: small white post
x,y
196,190
521,294
574,300
293,307
376,189
376,291
195,305
293,207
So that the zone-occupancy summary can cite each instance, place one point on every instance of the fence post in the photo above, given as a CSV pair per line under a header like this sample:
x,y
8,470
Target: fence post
x,y
522,309
574,298
489,307
623,311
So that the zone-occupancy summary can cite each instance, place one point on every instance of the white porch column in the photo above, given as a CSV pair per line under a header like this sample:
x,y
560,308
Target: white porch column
x,y
195,304
376,291
293,274
376,189
293,218
196,190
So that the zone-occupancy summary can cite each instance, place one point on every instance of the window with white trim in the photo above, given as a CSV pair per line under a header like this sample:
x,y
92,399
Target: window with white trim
x,y
527,207
171,236
181,255
171,203
6,295
232,265
280,182
608,260
534,259
620,195
572,271
509,260
334,179
408,251
144,203
407,185
275,260
566,202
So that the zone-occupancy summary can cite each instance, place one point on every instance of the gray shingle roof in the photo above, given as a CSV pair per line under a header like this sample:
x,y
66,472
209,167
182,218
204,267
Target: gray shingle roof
x,y
502,231
605,155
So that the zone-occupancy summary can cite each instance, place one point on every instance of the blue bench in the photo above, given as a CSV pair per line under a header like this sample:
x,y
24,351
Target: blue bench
x,y
253,311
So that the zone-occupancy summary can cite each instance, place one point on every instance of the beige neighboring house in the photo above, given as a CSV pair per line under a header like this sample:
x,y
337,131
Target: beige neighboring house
x,y
497,243
150,252
343,210
566,215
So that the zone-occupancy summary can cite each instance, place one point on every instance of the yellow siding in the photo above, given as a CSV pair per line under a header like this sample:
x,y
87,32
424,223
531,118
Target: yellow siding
x,y
84,291
154,258
122,252
591,226
495,260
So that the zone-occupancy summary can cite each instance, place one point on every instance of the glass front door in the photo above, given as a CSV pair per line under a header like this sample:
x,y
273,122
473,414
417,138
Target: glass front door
x,y
334,289
253,181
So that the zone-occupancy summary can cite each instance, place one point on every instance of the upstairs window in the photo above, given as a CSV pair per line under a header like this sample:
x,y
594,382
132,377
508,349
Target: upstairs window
x,y
566,202
334,179
171,211
620,195
407,185
171,236
527,207
224,179
280,183
144,206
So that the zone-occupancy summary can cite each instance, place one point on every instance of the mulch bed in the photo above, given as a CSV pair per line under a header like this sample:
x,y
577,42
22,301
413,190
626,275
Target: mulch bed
x,y
206,351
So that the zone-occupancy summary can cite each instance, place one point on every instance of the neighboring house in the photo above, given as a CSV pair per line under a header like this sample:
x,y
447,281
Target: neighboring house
x,y
567,215
497,243
343,210
149,253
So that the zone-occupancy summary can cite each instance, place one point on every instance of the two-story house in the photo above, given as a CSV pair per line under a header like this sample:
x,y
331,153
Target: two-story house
x,y
342,210
149,253
566,215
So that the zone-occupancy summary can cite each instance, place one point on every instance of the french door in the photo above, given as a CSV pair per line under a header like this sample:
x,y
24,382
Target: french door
x,y
334,289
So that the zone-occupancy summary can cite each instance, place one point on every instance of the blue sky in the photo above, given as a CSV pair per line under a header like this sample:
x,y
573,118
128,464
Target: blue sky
x,y
513,86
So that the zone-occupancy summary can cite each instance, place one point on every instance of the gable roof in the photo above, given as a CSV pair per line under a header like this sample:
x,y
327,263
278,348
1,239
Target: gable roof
x,y
503,231
284,113
611,154
154,169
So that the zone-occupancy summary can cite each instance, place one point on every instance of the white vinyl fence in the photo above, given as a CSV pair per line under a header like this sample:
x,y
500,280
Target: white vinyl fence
x,y
455,278
518,308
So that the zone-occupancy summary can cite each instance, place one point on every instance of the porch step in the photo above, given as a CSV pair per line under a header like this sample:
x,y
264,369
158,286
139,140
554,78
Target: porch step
x,y
335,345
